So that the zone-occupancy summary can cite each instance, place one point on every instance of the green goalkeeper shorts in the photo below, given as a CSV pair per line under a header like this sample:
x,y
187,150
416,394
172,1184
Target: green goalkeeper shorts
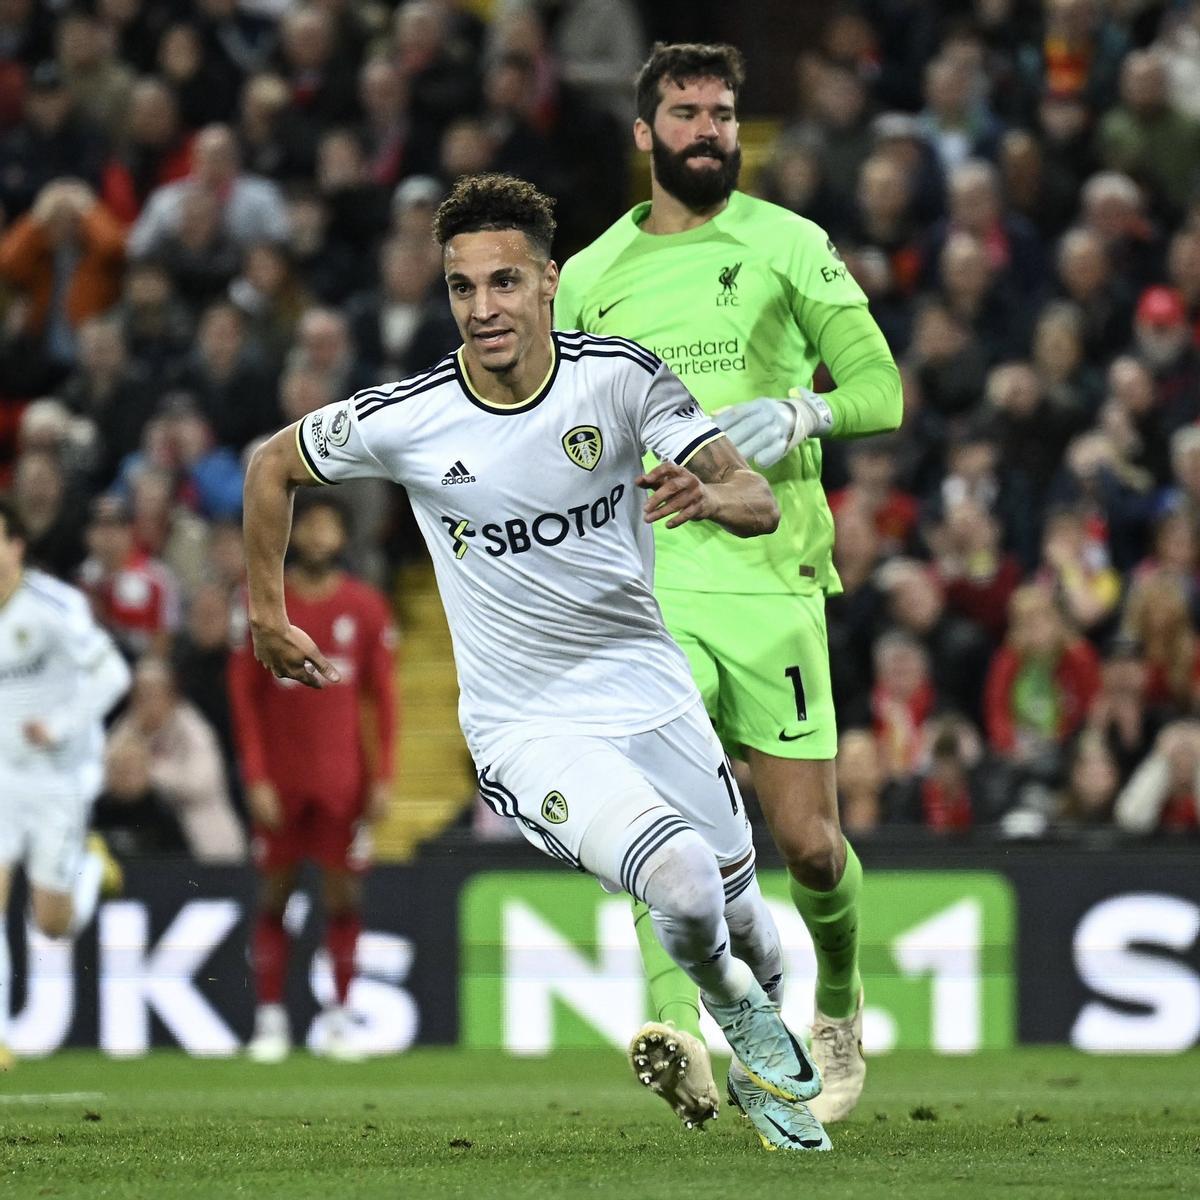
x,y
761,662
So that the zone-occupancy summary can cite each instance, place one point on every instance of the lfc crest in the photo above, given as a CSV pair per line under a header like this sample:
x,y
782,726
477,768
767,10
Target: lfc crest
x,y
583,445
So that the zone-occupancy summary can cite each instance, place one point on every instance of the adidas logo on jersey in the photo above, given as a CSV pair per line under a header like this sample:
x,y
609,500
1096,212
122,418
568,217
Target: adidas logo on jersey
x,y
457,474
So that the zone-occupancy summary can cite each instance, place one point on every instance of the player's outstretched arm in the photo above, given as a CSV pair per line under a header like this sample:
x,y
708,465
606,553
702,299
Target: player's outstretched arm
x,y
275,471
715,485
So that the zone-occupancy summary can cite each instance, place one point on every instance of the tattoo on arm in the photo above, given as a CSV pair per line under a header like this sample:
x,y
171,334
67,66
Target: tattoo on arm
x,y
716,462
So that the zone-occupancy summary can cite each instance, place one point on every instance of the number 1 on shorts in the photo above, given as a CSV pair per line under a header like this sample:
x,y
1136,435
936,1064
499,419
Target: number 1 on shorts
x,y
793,673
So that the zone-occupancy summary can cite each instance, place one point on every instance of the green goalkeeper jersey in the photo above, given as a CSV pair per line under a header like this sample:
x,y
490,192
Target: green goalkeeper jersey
x,y
745,305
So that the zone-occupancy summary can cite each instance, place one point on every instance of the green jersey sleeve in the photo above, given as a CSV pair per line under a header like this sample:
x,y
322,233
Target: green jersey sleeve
x,y
868,398
817,272
831,310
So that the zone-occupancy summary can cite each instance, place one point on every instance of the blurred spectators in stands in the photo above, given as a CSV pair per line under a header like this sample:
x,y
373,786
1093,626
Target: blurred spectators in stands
x,y
977,574
404,325
1120,712
271,298
956,118
872,490
1163,795
958,649
854,615
134,815
64,257
156,324
1158,618
1040,685
186,765
1148,139
1075,569
49,512
949,796
903,699
251,209
54,141
227,378
99,83
1080,802
134,596
861,782
118,396
200,660
1086,277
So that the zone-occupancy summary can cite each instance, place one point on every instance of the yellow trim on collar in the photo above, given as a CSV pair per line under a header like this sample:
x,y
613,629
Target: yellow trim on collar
x,y
527,403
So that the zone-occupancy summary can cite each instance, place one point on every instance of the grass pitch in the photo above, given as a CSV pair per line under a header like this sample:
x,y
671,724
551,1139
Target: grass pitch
x,y
446,1123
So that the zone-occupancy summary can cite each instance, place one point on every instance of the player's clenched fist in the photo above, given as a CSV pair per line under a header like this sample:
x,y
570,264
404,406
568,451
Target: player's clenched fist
x,y
289,653
677,494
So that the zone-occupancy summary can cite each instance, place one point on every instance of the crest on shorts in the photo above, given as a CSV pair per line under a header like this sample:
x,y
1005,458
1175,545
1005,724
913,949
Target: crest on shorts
x,y
583,445
339,427
554,808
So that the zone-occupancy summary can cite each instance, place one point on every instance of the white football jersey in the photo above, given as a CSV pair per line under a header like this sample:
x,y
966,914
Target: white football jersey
x,y
534,523
49,641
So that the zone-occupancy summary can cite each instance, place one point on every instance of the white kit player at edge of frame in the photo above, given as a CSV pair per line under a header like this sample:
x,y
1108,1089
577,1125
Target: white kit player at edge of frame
x,y
60,673
577,706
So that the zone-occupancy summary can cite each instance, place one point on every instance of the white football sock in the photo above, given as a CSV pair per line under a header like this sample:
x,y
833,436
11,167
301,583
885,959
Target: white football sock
x,y
687,901
85,892
755,939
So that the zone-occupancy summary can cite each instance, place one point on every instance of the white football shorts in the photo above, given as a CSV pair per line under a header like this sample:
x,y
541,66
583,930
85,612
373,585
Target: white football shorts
x,y
605,805
43,824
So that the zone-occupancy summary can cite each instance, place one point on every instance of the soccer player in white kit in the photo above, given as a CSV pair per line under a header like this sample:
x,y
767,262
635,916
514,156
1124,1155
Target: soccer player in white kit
x,y
60,673
522,457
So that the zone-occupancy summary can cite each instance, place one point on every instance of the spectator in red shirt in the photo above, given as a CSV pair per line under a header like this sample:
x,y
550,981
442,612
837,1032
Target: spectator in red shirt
x,y
945,793
155,150
902,700
1040,685
134,596
978,575
872,467
317,766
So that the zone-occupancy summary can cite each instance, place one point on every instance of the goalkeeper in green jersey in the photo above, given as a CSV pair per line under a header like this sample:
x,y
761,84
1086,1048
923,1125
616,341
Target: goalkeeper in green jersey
x,y
743,300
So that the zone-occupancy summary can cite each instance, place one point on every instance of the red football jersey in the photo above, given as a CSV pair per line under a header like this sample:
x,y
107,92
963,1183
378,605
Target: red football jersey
x,y
308,742
134,603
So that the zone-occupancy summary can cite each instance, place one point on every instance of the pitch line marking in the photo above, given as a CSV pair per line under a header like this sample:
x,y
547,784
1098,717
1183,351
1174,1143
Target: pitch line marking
x,y
49,1097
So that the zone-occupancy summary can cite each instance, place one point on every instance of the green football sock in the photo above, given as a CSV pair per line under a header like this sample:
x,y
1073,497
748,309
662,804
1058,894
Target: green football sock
x,y
674,996
832,920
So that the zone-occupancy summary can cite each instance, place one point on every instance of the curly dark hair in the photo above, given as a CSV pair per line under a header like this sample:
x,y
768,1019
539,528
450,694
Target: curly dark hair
x,y
681,62
496,201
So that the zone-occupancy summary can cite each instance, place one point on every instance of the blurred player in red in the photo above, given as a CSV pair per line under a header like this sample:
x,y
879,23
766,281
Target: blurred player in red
x,y
317,766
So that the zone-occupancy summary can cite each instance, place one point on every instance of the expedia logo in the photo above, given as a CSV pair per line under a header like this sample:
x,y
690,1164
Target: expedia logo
x,y
829,274
554,808
583,445
517,535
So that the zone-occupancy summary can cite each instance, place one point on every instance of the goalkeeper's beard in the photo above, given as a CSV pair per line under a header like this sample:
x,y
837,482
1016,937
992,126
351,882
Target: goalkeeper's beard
x,y
697,189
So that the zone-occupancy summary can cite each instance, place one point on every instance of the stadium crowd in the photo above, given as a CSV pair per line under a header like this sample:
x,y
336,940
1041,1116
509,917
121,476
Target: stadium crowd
x,y
216,218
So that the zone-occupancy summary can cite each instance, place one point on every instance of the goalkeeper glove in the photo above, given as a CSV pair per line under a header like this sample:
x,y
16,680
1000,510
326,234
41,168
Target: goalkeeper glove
x,y
765,430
